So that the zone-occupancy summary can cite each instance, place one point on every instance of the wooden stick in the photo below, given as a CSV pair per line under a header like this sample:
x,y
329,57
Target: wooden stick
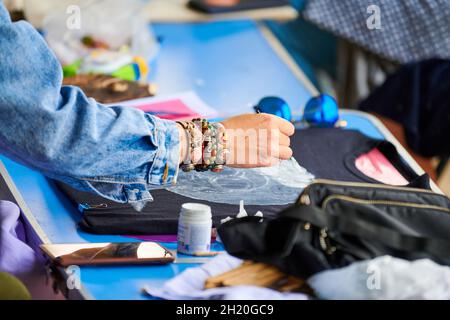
x,y
256,274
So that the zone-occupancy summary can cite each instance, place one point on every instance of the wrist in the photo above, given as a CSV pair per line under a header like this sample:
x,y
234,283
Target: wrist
x,y
183,143
203,145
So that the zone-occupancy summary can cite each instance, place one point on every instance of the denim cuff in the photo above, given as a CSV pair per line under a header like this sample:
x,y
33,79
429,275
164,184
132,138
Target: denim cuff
x,y
165,166
162,170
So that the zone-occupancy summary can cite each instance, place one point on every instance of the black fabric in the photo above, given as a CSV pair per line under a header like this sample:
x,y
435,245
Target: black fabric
x,y
334,224
330,153
158,217
418,97
327,153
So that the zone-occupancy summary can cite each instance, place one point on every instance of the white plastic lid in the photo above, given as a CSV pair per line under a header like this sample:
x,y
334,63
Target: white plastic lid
x,y
195,211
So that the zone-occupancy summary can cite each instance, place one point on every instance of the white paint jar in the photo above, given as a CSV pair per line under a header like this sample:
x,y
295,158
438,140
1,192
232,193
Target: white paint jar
x,y
194,228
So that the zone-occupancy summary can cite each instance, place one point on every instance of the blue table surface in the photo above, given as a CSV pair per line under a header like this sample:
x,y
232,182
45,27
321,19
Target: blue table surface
x,y
231,66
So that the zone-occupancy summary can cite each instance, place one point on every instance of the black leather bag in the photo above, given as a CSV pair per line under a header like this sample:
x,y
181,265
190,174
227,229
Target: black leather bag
x,y
336,223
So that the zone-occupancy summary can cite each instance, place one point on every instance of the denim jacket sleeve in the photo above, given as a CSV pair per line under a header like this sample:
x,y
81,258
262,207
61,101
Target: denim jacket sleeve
x,y
120,153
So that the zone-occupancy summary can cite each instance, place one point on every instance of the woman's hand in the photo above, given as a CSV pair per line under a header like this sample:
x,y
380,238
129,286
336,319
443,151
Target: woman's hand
x,y
254,140
258,140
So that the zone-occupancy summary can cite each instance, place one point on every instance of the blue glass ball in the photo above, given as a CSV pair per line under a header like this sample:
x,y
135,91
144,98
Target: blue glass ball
x,y
321,111
275,106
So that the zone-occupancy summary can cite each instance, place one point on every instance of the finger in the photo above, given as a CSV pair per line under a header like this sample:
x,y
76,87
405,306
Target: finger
x,y
285,153
285,126
284,140
278,138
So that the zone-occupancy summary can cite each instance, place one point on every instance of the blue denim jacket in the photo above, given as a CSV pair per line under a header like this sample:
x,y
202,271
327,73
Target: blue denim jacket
x,y
119,153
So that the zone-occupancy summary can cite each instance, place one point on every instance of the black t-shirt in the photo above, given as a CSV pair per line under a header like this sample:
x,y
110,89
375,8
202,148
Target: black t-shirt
x,y
331,154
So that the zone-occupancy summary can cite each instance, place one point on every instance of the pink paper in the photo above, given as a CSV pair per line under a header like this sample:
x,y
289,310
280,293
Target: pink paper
x,y
178,106
175,109
376,166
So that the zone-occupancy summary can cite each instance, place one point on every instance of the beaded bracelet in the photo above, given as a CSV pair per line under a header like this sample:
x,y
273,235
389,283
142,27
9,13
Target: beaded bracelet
x,y
208,146
195,143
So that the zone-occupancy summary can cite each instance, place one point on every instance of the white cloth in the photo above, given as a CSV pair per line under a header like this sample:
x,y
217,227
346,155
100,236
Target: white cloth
x,y
384,278
189,285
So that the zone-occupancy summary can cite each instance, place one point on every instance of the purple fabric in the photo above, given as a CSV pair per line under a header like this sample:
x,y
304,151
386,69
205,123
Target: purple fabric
x,y
16,257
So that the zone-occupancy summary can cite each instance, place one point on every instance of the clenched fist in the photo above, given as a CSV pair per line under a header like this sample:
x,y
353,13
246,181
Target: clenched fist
x,y
258,140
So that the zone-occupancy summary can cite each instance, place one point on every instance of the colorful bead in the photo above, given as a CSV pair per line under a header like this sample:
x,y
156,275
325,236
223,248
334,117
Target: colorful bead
x,y
208,146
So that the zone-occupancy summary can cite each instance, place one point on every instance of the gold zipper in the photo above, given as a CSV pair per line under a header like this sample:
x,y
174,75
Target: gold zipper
x,y
371,185
384,202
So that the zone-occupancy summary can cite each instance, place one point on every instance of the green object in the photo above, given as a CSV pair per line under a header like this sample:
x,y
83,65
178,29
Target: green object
x,y
130,72
71,70
12,289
